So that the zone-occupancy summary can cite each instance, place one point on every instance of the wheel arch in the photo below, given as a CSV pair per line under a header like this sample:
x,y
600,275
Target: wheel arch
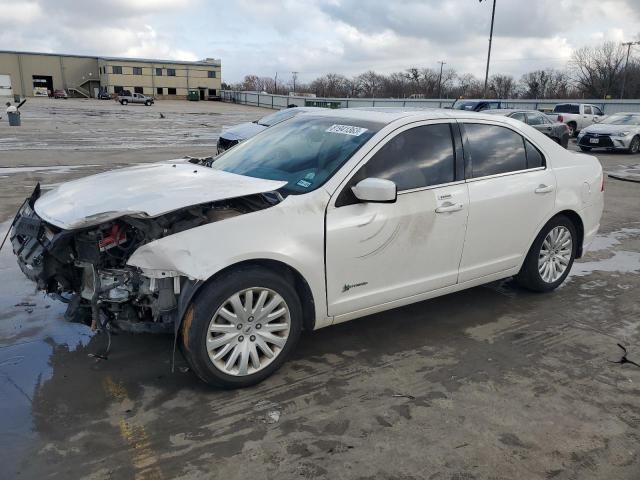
x,y
577,221
294,276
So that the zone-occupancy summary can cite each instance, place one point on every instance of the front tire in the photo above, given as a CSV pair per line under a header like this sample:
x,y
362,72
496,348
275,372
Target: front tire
x,y
241,327
147,103
550,257
634,146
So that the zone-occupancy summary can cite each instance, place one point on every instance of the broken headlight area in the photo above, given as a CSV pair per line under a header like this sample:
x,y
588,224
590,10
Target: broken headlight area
x,y
87,268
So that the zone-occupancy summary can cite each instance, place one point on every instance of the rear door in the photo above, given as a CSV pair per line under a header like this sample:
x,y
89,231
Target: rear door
x,y
511,192
540,123
381,252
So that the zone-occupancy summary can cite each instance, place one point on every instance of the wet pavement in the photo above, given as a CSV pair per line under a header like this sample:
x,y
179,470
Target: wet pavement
x,y
494,382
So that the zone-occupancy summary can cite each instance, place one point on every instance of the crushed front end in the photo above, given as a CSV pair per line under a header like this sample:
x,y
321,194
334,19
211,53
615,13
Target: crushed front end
x,y
87,267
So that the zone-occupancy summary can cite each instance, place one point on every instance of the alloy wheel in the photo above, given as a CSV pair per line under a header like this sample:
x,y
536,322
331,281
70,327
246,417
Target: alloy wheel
x,y
555,254
248,331
635,145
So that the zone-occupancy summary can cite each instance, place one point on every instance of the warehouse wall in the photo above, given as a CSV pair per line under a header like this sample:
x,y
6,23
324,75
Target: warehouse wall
x,y
186,77
66,71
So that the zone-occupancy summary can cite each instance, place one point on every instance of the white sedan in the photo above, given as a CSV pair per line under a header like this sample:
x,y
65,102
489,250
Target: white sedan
x,y
321,219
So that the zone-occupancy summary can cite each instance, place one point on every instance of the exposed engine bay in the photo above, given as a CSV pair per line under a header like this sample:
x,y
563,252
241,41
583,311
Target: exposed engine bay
x,y
87,267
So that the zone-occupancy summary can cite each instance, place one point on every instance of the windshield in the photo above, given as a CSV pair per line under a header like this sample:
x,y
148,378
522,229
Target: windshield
x,y
628,119
567,108
281,116
305,151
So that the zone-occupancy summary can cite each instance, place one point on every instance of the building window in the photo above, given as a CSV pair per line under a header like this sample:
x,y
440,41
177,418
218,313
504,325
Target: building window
x,y
117,88
160,91
117,69
158,72
212,92
138,90
171,72
137,70
171,91
211,74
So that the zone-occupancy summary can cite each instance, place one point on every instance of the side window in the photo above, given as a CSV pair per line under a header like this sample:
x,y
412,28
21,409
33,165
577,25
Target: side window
x,y
492,150
597,111
587,110
535,119
519,116
415,158
534,157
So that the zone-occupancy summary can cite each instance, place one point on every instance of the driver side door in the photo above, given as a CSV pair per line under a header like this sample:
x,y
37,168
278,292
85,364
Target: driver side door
x,y
381,252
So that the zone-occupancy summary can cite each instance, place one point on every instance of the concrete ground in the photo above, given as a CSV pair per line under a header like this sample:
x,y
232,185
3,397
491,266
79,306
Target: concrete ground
x,y
491,383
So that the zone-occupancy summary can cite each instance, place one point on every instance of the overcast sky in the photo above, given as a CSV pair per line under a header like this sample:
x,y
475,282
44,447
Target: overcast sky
x,y
321,36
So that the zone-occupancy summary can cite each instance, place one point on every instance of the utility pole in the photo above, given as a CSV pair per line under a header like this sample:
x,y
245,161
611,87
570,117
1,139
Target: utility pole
x,y
275,85
294,76
442,63
624,74
486,75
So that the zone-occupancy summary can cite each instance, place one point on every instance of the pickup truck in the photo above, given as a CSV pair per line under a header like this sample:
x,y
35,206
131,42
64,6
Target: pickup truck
x,y
576,115
126,98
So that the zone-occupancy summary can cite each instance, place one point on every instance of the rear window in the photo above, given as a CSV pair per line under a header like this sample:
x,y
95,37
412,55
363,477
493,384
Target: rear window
x,y
493,150
567,108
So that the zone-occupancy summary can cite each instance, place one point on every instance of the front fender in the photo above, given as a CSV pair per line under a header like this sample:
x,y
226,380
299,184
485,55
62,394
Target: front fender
x,y
291,232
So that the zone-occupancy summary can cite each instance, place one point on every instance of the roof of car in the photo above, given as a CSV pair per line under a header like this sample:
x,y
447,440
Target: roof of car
x,y
507,111
388,115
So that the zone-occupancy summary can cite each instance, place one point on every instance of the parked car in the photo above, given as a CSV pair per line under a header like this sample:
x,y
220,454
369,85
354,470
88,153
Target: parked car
x,y
477,105
60,94
103,95
125,99
576,115
558,132
238,133
318,220
620,131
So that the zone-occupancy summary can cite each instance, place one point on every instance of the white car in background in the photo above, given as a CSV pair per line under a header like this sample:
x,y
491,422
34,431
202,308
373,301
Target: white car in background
x,y
318,220
619,131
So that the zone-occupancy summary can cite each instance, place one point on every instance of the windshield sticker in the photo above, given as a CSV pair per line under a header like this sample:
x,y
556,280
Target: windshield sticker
x,y
310,176
346,130
303,183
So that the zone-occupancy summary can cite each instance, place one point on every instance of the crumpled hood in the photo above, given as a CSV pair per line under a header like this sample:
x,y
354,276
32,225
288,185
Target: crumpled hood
x,y
608,128
143,191
242,131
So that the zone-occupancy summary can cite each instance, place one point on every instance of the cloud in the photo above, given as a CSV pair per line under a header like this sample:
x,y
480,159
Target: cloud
x,y
320,36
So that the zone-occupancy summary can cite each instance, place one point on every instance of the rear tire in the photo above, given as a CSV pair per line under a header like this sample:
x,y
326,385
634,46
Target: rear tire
x,y
124,102
249,332
634,146
550,258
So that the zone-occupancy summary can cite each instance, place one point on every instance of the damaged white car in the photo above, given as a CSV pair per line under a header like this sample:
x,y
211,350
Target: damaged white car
x,y
323,218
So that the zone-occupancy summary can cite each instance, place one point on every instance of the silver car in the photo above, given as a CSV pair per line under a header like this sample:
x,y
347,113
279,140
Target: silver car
x,y
619,131
238,133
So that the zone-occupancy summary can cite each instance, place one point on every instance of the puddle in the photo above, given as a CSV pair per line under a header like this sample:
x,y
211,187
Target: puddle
x,y
606,241
621,262
29,335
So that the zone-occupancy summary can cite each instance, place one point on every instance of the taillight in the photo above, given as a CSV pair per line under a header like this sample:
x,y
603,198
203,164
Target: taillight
x,y
560,118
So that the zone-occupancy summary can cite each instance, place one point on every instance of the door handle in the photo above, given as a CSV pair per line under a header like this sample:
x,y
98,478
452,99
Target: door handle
x,y
544,188
449,207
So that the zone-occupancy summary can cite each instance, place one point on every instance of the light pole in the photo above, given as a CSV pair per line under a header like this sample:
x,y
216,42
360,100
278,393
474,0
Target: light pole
x,y
442,63
626,63
486,75
294,76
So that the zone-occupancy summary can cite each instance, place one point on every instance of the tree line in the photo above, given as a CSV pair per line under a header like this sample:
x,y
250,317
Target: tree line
x,y
596,72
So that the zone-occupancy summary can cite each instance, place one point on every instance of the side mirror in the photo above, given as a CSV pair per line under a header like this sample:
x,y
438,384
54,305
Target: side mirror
x,y
376,190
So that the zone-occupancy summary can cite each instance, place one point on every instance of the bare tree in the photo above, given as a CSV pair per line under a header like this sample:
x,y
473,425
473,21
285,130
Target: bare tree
x,y
502,86
370,84
597,71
